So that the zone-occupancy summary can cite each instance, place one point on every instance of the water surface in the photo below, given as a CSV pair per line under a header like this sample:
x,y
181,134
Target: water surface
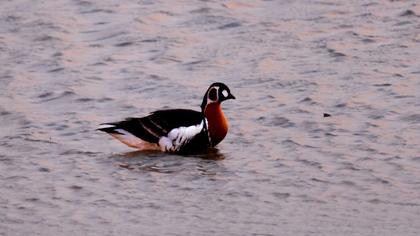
x,y
283,169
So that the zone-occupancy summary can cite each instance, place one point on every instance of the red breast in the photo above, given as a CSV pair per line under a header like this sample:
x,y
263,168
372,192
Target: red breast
x,y
217,122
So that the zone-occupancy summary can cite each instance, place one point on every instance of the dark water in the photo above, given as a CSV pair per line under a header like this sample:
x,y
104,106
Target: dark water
x,y
283,169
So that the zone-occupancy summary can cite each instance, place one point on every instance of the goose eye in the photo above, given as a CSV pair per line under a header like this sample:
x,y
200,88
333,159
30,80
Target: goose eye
x,y
213,94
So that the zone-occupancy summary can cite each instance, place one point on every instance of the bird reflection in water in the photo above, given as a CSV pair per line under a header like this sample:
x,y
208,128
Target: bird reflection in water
x,y
159,162
211,154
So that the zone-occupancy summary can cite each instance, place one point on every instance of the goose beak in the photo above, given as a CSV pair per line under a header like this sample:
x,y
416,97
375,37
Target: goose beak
x,y
230,96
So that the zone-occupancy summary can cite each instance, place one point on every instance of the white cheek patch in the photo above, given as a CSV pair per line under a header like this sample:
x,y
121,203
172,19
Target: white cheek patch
x,y
225,93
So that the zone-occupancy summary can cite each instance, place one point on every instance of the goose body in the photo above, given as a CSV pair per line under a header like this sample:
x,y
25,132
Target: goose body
x,y
177,130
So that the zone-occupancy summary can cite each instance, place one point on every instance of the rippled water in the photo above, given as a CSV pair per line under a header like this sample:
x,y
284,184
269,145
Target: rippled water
x,y
284,168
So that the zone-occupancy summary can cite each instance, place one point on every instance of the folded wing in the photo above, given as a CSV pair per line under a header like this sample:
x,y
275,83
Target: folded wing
x,y
171,129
